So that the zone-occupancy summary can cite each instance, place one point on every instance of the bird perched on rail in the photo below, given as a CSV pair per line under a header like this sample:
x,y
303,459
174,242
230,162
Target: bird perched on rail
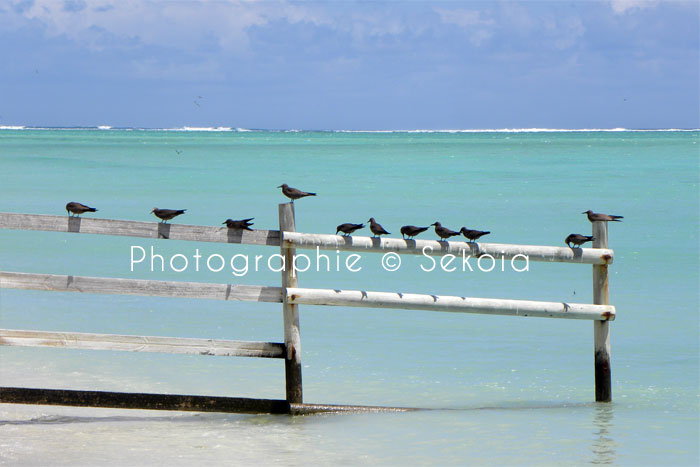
x,y
596,216
473,235
167,214
443,232
348,228
78,208
293,193
410,231
578,239
243,224
376,228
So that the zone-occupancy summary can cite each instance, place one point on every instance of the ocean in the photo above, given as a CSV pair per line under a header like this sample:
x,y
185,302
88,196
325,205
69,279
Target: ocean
x,y
496,390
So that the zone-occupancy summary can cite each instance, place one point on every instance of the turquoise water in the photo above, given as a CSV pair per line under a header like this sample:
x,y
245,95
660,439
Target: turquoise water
x,y
504,390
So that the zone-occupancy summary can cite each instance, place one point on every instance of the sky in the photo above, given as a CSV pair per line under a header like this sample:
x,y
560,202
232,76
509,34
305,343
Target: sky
x,y
355,65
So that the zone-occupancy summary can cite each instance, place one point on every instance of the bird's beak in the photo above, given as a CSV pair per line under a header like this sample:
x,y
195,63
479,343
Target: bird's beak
x,y
279,186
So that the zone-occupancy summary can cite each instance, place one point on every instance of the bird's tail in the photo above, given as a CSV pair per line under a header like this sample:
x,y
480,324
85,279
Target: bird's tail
x,y
615,218
92,209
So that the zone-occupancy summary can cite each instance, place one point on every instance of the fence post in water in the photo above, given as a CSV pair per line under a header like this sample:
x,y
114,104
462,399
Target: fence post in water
x,y
292,337
601,329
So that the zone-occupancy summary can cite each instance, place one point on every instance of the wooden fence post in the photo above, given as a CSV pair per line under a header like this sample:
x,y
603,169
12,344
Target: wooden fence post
x,y
601,329
292,337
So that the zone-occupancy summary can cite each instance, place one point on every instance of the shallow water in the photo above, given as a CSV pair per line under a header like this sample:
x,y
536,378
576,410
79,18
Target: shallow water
x,y
504,390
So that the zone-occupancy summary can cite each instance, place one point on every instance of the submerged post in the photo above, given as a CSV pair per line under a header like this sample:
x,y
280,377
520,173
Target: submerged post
x,y
601,329
292,337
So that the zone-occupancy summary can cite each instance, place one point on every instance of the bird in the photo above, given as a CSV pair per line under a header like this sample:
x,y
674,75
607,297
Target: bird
x,y
473,234
293,193
577,239
348,228
596,216
243,224
411,230
78,208
167,214
376,228
443,232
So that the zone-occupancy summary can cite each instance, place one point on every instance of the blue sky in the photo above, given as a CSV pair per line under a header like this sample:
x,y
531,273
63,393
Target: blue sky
x,y
350,64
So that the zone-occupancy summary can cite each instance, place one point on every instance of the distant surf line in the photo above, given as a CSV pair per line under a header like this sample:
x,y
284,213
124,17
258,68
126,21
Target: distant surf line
x,y
414,131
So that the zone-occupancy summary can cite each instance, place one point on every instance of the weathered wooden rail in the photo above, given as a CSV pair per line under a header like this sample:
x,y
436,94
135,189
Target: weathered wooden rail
x,y
290,295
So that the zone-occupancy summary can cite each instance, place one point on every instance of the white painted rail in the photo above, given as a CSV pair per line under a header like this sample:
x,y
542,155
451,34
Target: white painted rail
x,y
117,286
176,345
436,248
290,295
296,296
489,306
88,225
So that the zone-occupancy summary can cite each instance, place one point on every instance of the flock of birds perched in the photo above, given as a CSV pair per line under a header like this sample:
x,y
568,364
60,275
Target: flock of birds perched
x,y
407,231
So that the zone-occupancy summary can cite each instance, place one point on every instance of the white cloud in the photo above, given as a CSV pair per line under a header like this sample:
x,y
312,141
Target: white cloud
x,y
570,31
164,23
478,26
623,6
463,18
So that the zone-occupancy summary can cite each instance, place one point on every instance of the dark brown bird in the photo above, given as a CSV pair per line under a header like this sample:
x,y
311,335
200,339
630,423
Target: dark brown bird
x,y
243,224
596,216
473,235
577,239
78,208
376,228
167,214
411,230
293,193
443,232
348,228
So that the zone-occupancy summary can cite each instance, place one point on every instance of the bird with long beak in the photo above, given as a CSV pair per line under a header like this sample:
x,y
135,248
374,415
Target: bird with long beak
x,y
293,193
596,216
577,239
443,232
78,208
376,228
167,214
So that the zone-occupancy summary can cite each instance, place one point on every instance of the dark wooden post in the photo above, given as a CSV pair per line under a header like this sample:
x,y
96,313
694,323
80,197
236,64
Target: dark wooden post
x,y
292,337
601,329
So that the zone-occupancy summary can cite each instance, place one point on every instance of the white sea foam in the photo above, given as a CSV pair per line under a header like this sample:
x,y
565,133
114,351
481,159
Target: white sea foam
x,y
206,128
296,130
519,130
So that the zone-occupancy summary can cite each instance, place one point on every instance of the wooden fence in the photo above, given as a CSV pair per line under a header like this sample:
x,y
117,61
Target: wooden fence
x,y
290,295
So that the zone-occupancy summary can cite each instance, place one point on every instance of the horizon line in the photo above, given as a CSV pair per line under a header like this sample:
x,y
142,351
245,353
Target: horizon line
x,y
187,128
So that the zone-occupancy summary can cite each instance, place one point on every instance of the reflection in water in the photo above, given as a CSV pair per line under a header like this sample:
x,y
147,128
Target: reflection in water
x,y
603,445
